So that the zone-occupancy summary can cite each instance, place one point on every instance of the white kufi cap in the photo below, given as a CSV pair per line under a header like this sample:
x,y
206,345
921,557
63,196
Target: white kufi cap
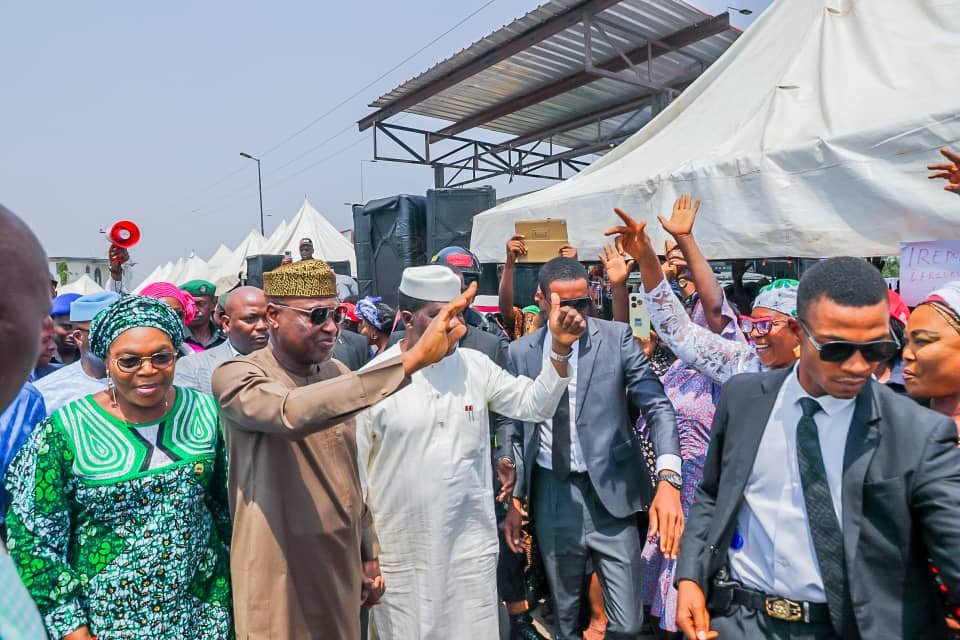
x,y
433,283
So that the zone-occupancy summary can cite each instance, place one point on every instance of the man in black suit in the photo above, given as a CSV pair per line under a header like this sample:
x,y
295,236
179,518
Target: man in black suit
x,y
824,494
352,349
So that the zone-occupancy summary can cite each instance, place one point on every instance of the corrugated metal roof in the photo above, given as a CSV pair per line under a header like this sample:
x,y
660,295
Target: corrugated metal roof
x,y
562,55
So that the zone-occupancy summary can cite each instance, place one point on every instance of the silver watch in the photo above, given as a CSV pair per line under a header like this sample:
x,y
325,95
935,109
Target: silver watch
x,y
672,477
559,358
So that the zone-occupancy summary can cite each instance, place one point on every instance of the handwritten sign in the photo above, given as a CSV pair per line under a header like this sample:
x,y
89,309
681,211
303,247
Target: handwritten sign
x,y
926,266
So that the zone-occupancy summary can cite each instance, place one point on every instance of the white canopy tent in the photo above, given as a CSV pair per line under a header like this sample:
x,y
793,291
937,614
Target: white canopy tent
x,y
226,275
328,243
809,137
222,253
84,285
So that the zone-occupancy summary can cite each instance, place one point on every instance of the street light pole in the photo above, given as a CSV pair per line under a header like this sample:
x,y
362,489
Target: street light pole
x,y
259,187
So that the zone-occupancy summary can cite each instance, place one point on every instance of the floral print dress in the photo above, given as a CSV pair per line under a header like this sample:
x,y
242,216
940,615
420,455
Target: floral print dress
x,y
694,397
124,527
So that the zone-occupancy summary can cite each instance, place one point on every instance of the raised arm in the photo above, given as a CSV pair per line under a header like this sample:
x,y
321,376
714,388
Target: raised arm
x,y
515,249
618,269
536,400
680,226
253,401
707,352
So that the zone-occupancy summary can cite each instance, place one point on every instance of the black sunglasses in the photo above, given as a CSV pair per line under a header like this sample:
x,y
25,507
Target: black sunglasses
x,y
582,305
319,315
843,350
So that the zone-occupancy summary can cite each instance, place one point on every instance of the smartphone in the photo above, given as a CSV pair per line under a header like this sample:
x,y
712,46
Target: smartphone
x,y
286,254
639,317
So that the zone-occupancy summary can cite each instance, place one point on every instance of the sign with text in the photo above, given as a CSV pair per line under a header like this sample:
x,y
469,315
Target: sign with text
x,y
925,266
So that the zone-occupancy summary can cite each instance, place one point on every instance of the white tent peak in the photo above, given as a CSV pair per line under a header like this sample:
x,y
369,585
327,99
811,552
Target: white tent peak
x,y
84,285
328,243
801,140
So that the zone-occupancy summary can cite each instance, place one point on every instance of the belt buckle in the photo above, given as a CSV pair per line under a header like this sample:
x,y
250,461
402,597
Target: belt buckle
x,y
783,609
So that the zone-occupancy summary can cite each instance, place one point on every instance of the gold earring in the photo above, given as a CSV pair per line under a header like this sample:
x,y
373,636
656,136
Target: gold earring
x,y
113,389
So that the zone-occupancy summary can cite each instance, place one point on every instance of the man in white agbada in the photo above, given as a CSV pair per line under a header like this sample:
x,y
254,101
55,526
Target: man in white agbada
x,y
88,374
425,460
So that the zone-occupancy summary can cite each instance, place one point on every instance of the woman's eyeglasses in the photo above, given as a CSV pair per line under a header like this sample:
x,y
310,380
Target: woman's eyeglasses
x,y
132,364
843,350
319,315
762,326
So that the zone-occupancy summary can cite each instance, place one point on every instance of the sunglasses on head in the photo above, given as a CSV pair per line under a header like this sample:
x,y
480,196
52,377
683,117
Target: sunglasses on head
x,y
319,315
132,364
582,305
843,350
762,326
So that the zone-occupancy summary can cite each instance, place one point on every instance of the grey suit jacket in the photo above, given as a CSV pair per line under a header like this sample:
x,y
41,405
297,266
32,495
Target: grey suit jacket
x,y
195,370
901,503
611,372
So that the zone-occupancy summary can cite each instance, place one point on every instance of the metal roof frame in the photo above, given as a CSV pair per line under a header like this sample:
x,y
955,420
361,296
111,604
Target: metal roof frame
x,y
581,74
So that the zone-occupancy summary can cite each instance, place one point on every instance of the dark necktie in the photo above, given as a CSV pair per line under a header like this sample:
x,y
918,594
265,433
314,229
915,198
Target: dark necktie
x,y
821,516
561,437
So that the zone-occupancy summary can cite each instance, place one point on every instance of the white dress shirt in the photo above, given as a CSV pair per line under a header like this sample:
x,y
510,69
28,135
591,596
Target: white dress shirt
x,y
578,463
777,556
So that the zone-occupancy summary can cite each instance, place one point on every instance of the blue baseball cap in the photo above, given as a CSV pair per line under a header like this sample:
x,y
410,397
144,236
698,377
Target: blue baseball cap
x,y
85,307
61,304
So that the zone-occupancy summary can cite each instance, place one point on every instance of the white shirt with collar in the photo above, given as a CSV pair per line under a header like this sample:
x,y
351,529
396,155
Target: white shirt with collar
x,y
578,462
777,556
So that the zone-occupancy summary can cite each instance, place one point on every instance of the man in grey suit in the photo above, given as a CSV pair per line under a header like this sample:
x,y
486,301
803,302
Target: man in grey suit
x,y
583,471
245,325
824,493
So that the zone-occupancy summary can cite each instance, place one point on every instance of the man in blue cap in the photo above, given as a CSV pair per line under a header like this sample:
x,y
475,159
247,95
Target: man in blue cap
x,y
88,374
67,351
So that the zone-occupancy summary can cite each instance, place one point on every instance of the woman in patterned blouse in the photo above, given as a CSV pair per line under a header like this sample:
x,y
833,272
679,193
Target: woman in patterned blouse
x,y
119,522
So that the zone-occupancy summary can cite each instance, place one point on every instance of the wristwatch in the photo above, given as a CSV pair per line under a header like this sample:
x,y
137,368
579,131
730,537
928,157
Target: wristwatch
x,y
671,477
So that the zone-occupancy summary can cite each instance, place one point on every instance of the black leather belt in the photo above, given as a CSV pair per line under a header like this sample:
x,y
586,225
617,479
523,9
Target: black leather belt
x,y
780,608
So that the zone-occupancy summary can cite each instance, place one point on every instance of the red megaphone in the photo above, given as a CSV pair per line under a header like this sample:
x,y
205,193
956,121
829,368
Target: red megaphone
x,y
124,234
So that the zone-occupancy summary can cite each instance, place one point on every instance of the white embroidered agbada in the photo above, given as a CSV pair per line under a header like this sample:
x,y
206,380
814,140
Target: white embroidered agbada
x,y
425,460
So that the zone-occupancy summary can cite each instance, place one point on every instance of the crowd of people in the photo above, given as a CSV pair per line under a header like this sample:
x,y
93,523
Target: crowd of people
x,y
296,461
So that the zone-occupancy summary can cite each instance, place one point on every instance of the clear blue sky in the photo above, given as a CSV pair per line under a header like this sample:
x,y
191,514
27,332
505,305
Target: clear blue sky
x,y
133,110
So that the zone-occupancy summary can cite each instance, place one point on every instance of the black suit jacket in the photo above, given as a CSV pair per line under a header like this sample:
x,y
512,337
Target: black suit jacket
x,y
901,503
352,349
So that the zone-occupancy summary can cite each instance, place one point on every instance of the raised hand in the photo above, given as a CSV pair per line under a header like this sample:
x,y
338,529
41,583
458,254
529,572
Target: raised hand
x,y
616,266
444,331
683,216
950,171
566,323
569,251
632,235
516,248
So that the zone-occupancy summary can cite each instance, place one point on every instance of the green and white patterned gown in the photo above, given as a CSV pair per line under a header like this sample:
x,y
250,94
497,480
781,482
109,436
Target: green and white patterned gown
x,y
125,527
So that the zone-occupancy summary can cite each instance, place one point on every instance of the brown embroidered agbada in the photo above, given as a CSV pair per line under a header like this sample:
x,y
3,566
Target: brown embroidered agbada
x,y
295,497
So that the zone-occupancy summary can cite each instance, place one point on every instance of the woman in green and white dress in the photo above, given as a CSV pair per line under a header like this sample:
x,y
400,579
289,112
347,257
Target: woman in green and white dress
x,y
119,522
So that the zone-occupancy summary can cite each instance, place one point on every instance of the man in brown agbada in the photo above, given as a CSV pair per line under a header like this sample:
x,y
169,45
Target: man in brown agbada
x,y
295,497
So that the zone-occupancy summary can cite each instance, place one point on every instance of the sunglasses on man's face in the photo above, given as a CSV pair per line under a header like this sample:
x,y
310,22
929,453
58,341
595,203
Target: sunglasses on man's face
x,y
582,305
843,350
319,315
762,326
